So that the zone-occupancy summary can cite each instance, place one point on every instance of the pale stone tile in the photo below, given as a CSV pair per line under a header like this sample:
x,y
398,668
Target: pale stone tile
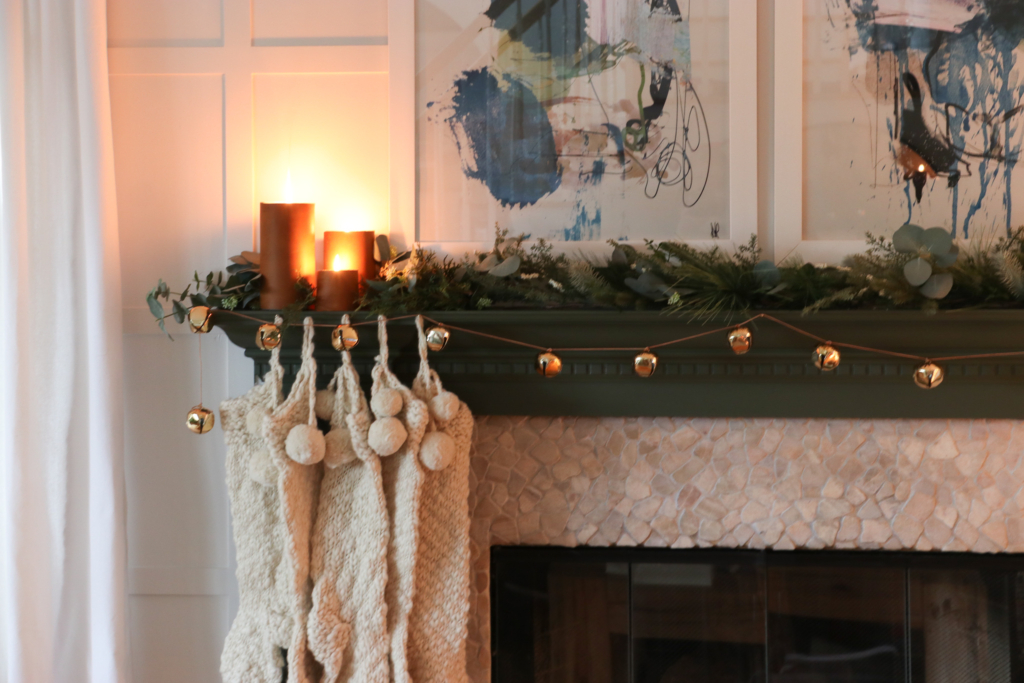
x,y
826,532
799,532
833,488
808,508
907,529
875,531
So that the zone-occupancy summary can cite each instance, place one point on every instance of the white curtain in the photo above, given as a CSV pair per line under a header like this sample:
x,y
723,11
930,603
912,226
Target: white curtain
x,y
62,502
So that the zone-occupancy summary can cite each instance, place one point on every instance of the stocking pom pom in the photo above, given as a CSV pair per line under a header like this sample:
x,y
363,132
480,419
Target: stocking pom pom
x,y
386,402
305,444
262,469
444,406
339,448
437,451
324,407
254,420
387,435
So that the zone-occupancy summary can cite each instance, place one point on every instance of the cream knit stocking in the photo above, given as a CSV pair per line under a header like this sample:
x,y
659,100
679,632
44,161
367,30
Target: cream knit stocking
x,y
252,650
440,610
402,478
298,488
348,623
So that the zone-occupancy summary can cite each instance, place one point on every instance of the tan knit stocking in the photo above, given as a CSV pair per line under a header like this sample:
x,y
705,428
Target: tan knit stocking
x,y
252,649
348,623
440,610
298,488
402,478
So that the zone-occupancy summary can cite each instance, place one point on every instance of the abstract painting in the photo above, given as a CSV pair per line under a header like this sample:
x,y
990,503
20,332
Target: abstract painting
x,y
572,120
913,113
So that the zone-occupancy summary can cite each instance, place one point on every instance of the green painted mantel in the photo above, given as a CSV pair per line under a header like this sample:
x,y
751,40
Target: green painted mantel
x,y
702,378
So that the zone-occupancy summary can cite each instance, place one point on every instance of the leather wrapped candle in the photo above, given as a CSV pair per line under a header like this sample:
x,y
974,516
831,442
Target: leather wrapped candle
x,y
337,290
355,250
287,252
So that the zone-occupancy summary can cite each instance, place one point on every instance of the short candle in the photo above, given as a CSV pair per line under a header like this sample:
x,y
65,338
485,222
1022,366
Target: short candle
x,y
337,289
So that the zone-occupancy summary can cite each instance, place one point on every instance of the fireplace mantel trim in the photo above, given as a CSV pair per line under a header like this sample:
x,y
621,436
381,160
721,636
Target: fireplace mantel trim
x,y
702,378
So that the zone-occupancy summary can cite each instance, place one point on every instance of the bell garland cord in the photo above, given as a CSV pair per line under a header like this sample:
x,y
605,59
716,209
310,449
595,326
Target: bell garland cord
x,y
672,342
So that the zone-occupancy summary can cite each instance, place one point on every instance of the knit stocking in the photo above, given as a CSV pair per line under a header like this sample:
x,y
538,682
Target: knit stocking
x,y
348,623
298,488
440,610
402,478
252,650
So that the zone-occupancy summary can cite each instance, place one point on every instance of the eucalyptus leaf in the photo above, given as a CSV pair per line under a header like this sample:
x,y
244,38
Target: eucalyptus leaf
x,y
937,240
767,273
252,257
506,267
155,307
378,285
908,238
199,299
249,298
949,258
917,271
180,312
185,293
485,264
383,248
938,286
459,273
619,257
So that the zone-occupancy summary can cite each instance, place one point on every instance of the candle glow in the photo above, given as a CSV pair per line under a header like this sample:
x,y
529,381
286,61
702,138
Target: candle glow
x,y
288,194
337,265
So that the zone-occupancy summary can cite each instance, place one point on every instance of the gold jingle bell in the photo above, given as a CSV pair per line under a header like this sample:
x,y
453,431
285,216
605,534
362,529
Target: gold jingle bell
x,y
268,337
200,420
825,357
740,340
645,363
437,338
344,338
548,364
928,376
199,319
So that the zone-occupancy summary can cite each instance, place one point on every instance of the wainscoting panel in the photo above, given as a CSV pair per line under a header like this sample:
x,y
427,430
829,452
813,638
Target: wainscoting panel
x,y
166,23
319,22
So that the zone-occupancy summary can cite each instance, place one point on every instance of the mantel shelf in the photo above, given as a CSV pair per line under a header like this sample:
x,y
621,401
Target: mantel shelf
x,y
700,378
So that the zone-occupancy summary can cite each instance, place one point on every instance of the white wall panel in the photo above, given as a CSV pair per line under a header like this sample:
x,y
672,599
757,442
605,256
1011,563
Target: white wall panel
x,y
319,22
182,23
168,151
177,639
177,500
331,132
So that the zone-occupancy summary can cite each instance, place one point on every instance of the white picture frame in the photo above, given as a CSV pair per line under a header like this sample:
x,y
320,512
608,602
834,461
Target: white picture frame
x,y
788,162
743,112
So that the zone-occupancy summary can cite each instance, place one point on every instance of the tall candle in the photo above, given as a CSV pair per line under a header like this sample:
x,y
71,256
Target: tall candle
x,y
287,252
355,250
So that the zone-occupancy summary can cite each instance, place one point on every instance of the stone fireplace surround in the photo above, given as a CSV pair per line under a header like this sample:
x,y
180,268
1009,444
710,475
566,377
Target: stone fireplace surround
x,y
928,485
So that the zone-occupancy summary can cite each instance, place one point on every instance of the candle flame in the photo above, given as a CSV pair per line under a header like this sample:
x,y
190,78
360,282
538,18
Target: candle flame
x,y
336,266
288,198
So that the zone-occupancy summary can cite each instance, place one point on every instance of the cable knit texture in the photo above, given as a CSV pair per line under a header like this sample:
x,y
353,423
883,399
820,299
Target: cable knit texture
x,y
348,623
440,611
252,649
298,488
402,476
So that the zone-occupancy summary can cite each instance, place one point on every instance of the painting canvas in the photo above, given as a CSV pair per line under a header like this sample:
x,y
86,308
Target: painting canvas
x,y
913,113
574,120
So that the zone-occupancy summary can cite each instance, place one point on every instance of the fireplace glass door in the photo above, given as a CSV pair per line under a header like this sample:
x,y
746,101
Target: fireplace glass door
x,y
708,616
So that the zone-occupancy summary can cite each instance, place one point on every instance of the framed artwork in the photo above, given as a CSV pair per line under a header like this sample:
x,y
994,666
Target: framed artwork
x,y
576,121
896,111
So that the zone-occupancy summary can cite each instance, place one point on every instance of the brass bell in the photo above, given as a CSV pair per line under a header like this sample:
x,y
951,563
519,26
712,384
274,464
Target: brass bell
x,y
200,420
268,337
825,357
548,364
437,338
199,319
928,376
645,363
344,338
740,340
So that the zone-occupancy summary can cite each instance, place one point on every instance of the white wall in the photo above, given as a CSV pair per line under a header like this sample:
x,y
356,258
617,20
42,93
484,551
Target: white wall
x,y
213,102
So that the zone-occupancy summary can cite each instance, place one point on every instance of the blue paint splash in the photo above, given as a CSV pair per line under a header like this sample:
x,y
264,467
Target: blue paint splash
x,y
511,143
977,93
586,225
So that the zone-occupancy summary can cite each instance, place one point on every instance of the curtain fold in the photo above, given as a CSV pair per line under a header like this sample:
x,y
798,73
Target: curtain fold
x,y
63,590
